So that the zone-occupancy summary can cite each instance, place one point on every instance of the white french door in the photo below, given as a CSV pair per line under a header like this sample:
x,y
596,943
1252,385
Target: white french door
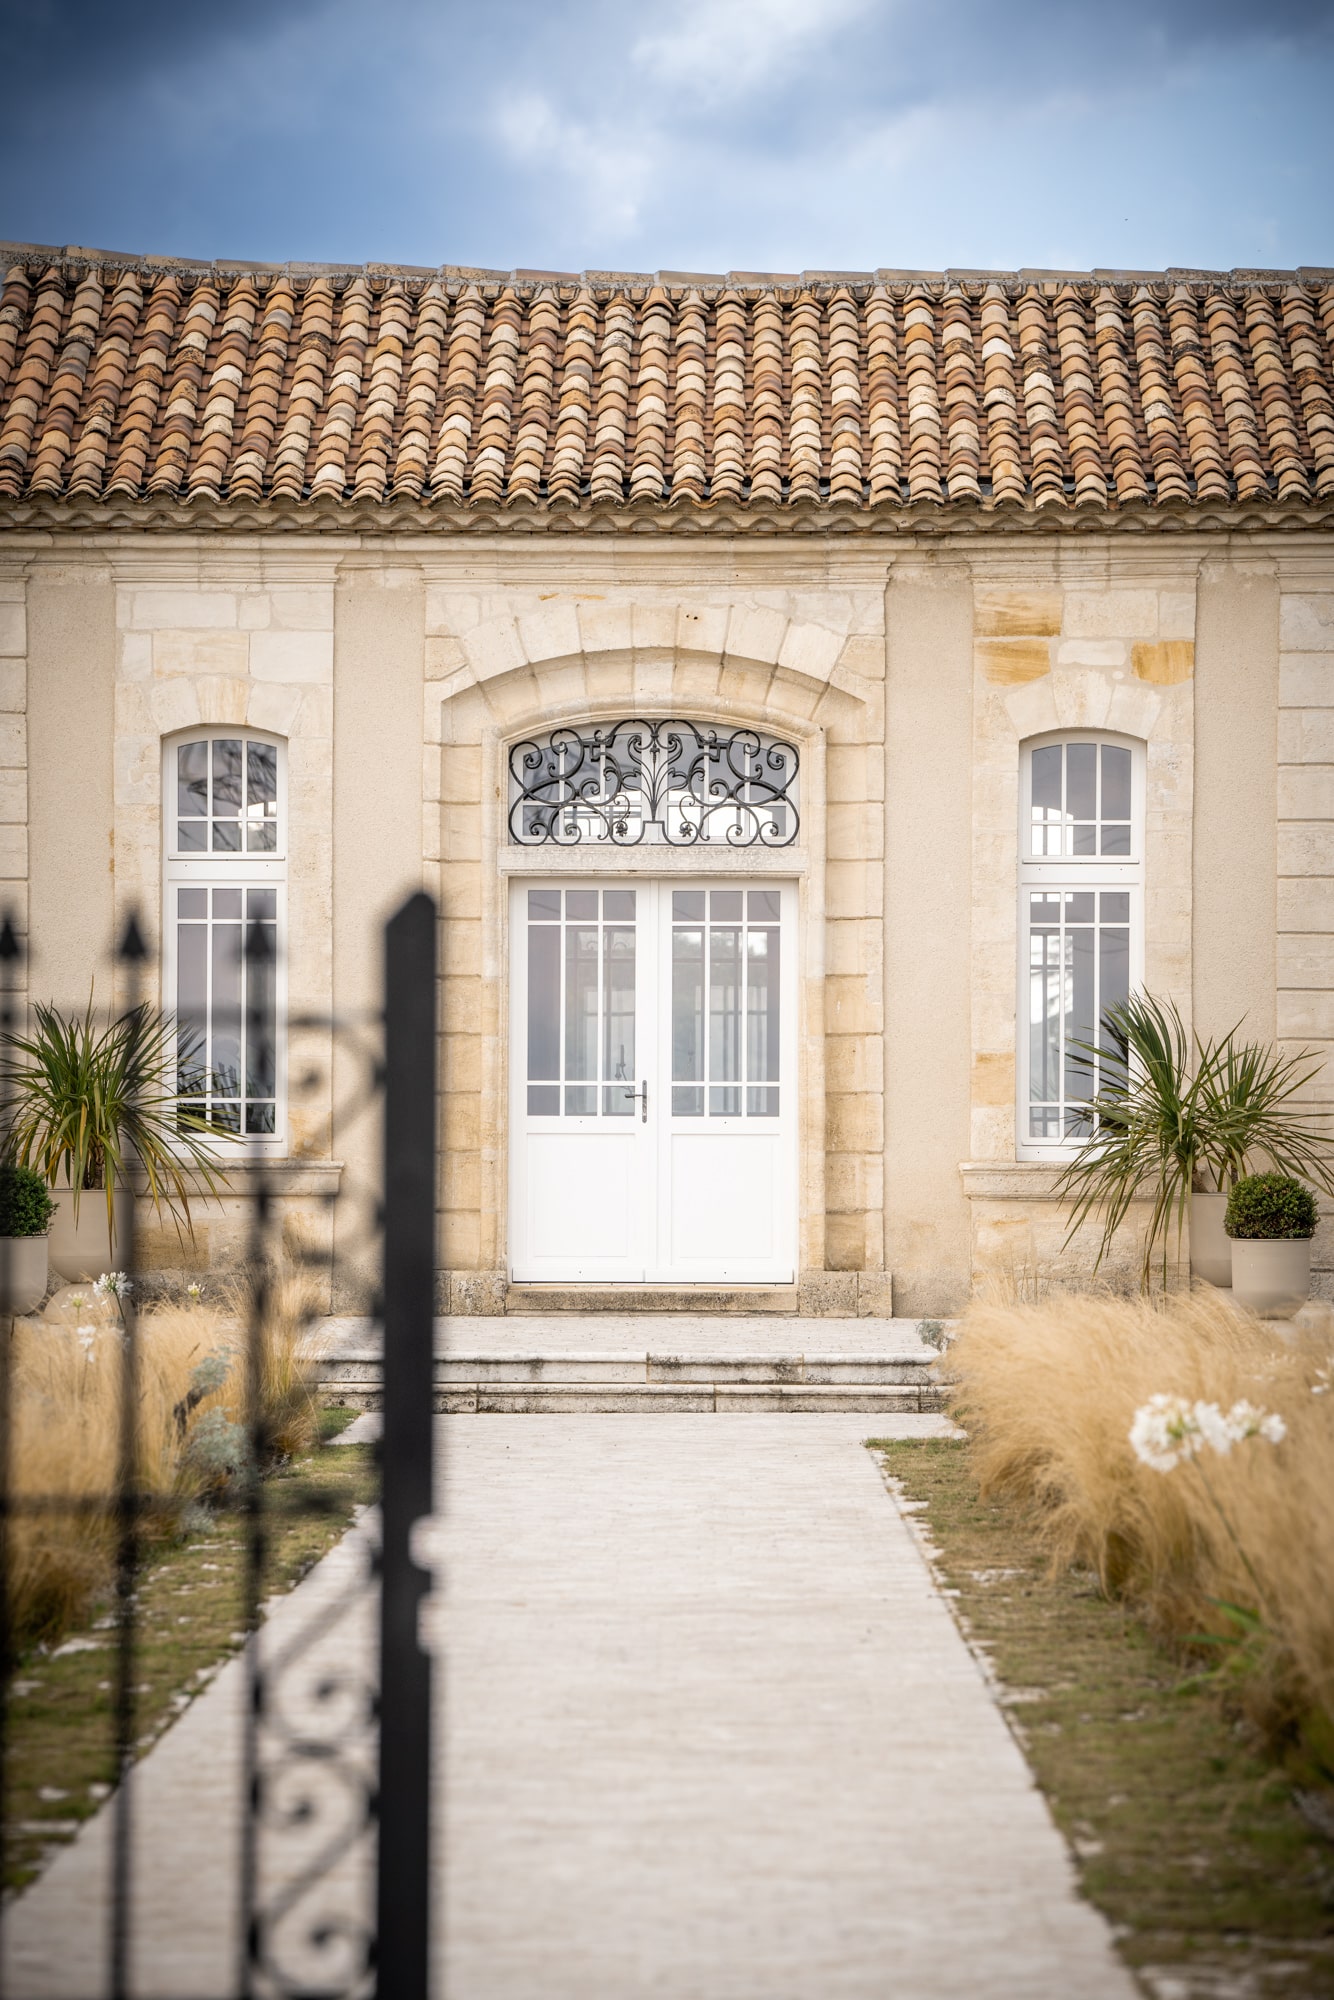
x,y
653,1114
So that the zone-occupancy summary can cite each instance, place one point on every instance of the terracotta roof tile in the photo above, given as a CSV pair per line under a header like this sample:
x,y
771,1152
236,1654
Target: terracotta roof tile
x,y
143,379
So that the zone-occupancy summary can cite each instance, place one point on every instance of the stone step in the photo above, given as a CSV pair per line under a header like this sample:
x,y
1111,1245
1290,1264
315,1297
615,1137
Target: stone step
x,y
539,1301
538,1398
624,1381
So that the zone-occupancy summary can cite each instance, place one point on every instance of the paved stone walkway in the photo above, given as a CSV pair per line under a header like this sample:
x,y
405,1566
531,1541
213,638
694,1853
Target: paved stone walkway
x,y
711,1735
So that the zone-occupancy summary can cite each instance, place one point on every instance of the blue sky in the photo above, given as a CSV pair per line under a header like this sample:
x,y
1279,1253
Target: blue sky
x,y
702,135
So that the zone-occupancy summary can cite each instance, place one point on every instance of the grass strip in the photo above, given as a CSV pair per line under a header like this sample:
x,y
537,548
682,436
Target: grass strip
x,y
61,1753
1185,1836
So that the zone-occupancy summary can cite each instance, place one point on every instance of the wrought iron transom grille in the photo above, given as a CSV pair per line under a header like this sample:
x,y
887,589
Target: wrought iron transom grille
x,y
641,782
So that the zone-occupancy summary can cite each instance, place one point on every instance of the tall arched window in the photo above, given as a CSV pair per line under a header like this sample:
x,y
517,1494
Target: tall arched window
x,y
1081,923
224,924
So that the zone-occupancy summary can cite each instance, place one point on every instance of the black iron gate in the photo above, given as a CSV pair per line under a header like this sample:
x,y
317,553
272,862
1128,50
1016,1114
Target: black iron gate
x,y
337,1759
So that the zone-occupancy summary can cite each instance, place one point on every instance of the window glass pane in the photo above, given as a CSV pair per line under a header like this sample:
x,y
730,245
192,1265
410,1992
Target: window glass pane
x,y
1044,908
1079,907
263,839
581,1000
1115,906
618,1004
544,1100
762,1006
581,1101
261,1026
1116,840
261,796
1080,1022
226,902
1080,774
687,1101
725,1103
192,835
1046,780
1115,782
543,1001
227,836
724,1006
618,903
191,1003
225,1117
1044,1123
192,780
1113,968
763,906
762,1103
259,1119
688,904
725,903
688,1006
192,902
226,777
544,903
262,903
1084,839
581,903
1046,1006
226,1022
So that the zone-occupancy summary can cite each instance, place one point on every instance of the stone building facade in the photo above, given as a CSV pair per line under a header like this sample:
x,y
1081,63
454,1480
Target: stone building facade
x,y
948,541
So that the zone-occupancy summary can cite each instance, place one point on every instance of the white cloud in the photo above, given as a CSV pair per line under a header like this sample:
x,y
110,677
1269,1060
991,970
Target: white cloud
x,y
608,168
729,49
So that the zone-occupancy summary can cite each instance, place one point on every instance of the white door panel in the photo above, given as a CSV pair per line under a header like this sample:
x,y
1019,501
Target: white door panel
x,y
653,1096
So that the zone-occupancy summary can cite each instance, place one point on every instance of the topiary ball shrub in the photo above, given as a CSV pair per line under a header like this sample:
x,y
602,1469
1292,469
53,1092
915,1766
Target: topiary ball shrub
x,y
1268,1206
26,1206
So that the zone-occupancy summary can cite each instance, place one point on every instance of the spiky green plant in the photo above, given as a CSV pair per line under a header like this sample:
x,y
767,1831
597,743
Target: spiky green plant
x,y
1173,1112
88,1103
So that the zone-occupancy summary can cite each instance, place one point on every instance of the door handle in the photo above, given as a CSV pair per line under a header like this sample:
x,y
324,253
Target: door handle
x,y
642,1095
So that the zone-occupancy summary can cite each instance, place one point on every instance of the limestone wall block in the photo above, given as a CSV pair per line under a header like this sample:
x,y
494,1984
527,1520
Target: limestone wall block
x,y
137,770
13,859
462,947
855,831
1111,614
461,1003
1031,711
551,632
1083,697
1306,623
460,1240
1306,736
563,686
188,610
852,716
174,705
854,1183
1306,904
460,1058
1012,662
992,1131
1305,1016
200,653
223,700
863,655
301,609
254,611
444,656
134,655
1306,960
292,656
853,888
854,1122
696,682
13,687
13,629
514,701
653,625
812,650
1305,849
854,1062
852,1006
654,679
756,632
494,648
1306,793
745,686
461,773
796,695
13,797
605,627
701,628
463,717
1016,614
844,1242
450,610
462,890
1176,614
1134,709
1108,654
854,772
1306,680
314,709
993,1077
854,944
461,1178
1164,662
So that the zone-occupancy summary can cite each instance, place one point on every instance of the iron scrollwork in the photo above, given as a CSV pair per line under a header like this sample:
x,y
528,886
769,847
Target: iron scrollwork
x,y
643,782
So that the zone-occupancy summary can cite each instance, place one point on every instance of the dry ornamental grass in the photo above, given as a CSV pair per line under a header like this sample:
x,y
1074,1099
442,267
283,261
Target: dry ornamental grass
x,y
1233,1546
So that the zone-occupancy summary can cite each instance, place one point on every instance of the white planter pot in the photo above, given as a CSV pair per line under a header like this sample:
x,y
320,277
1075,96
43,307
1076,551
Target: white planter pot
x,y
1210,1245
82,1251
1271,1276
23,1273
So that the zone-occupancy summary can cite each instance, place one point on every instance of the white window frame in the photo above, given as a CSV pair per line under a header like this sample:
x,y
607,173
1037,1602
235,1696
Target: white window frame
x,y
1071,873
187,869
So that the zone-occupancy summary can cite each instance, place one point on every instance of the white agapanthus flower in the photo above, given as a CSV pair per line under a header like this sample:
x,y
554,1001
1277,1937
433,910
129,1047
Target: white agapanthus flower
x,y
1168,1429
194,1293
114,1284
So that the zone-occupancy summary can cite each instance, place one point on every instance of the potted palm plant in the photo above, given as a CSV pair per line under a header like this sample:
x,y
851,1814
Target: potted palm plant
x,y
88,1106
1271,1219
26,1208
1176,1123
